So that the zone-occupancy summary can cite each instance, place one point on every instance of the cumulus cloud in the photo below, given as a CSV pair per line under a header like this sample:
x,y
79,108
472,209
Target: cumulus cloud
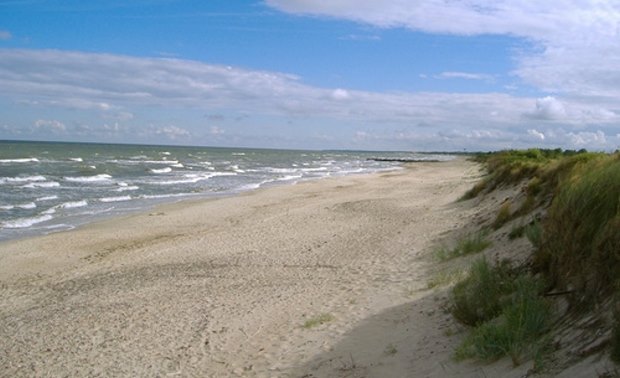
x,y
340,94
548,108
119,88
536,134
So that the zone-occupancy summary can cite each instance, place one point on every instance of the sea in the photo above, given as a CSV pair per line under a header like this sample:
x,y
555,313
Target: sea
x,y
49,187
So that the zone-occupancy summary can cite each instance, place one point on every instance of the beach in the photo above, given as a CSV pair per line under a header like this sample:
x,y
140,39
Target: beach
x,y
323,278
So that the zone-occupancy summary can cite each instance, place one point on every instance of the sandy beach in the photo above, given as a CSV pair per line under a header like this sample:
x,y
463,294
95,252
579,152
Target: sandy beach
x,y
236,286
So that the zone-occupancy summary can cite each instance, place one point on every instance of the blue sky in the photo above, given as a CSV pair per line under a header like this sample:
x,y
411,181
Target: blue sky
x,y
350,74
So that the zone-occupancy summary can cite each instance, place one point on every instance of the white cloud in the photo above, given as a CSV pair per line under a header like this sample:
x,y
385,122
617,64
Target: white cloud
x,y
576,50
173,132
120,89
465,75
51,125
548,108
214,130
536,134
340,94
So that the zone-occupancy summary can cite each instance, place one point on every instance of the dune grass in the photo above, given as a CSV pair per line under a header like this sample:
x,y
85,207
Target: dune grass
x,y
505,309
468,245
576,248
318,320
580,241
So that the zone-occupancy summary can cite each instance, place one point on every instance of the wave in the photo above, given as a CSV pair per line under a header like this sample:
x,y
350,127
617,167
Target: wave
x,y
179,165
4,180
25,206
26,222
96,178
73,204
47,184
162,170
160,161
281,170
78,159
161,196
23,160
46,198
126,188
115,199
321,169
194,178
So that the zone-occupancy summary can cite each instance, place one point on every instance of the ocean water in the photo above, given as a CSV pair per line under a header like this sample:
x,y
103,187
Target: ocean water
x,y
49,187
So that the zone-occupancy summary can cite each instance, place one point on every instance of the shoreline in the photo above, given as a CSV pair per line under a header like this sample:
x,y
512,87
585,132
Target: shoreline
x,y
114,213
224,286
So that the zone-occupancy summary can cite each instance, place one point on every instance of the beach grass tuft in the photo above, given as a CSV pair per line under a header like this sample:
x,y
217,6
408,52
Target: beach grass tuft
x,y
506,310
318,320
471,244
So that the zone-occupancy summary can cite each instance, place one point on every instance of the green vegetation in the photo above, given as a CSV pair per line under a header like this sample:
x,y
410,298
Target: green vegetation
x,y
390,350
318,320
469,245
576,251
505,309
580,244
445,278
503,216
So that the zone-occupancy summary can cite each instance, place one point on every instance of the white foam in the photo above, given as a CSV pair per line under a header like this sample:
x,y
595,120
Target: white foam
x,y
73,204
26,206
127,188
24,160
192,178
78,159
162,170
47,184
289,178
4,180
321,169
161,161
250,186
115,199
179,165
96,178
238,153
160,196
46,198
51,210
282,170
166,153
7,207
26,222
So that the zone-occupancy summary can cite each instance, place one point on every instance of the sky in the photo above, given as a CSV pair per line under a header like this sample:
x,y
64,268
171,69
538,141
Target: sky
x,y
433,75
